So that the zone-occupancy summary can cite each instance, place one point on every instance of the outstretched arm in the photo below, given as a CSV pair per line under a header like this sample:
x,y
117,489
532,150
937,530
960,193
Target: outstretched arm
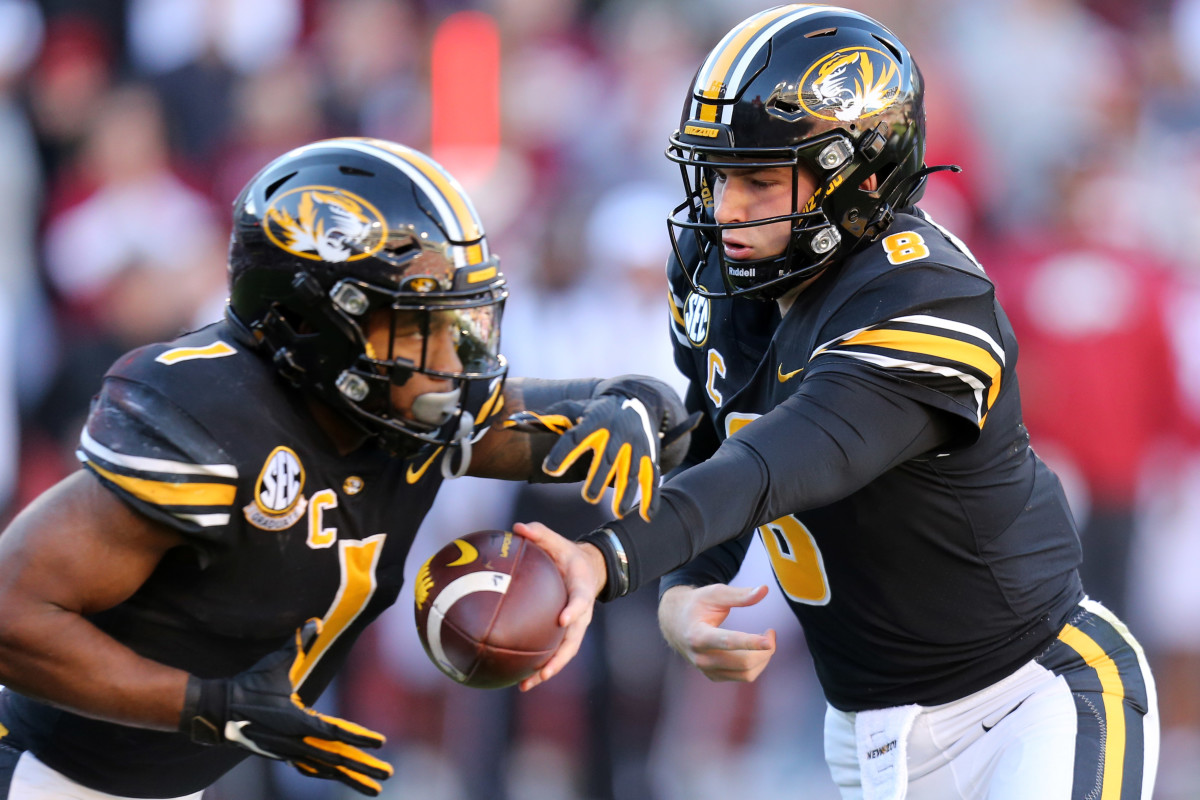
x,y
621,433
828,440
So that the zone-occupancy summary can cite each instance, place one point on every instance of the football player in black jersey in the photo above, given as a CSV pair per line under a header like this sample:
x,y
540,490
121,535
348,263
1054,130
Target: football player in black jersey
x,y
251,489
858,381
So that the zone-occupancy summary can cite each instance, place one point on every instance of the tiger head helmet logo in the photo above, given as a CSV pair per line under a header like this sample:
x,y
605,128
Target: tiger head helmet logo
x,y
323,223
850,83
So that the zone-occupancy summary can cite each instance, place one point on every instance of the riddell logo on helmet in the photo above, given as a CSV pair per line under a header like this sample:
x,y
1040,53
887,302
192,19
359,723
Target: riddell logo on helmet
x,y
323,223
850,84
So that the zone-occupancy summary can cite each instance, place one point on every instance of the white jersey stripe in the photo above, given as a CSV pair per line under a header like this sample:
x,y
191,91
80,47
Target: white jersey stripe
x,y
205,520
923,319
951,325
145,464
976,385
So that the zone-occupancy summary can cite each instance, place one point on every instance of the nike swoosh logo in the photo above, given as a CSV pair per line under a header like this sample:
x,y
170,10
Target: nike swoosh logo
x,y
469,553
414,475
987,727
784,377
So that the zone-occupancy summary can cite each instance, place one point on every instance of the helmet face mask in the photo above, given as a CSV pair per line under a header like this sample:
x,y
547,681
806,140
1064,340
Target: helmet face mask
x,y
819,89
344,248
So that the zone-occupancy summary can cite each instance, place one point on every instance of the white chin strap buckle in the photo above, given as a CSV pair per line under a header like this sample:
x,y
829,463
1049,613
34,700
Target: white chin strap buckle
x,y
461,442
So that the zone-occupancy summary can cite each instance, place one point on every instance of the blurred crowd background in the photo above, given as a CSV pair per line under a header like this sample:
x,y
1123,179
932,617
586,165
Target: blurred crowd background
x,y
128,126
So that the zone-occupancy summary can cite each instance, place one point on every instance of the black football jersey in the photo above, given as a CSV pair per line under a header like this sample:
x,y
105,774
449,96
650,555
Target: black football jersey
x,y
946,571
202,435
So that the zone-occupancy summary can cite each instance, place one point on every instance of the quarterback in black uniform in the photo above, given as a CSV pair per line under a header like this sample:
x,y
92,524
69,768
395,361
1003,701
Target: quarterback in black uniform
x,y
250,490
858,377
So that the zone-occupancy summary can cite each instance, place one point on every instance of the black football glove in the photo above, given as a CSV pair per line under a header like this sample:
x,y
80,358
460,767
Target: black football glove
x,y
259,710
626,426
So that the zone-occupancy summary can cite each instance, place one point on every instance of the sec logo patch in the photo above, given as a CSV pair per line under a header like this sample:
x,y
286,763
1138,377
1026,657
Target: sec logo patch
x,y
278,493
697,311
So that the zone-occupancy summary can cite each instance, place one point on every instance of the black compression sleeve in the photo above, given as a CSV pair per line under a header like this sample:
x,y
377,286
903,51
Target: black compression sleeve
x,y
538,395
718,564
837,433
572,396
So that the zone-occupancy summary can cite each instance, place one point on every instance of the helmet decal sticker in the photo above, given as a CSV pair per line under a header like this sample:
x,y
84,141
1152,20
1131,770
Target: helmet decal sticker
x,y
323,223
851,83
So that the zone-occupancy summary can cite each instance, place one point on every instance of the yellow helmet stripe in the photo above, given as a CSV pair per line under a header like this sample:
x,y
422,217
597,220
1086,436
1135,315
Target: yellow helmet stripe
x,y
714,74
447,195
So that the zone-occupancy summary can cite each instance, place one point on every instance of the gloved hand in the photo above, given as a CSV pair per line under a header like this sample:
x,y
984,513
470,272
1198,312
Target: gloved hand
x,y
259,710
625,427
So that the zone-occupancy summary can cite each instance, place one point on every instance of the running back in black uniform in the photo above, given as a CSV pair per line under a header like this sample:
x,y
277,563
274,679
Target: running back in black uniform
x,y
200,434
858,381
250,490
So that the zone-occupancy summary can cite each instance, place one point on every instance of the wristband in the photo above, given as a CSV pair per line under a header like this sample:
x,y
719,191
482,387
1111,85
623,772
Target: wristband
x,y
202,711
616,563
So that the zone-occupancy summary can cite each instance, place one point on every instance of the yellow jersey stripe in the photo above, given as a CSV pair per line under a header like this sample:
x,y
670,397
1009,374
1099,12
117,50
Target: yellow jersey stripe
x,y
162,493
676,314
931,345
1114,709
215,350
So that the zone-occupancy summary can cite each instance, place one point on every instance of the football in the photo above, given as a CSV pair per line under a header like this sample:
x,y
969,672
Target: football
x,y
487,607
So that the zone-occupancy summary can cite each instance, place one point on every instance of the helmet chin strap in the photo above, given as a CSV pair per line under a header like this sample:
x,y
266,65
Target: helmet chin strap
x,y
436,409
462,440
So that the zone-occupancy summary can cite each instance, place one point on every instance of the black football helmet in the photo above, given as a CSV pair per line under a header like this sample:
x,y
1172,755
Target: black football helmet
x,y
337,230
826,90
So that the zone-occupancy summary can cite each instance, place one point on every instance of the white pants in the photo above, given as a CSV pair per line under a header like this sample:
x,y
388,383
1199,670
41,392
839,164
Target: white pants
x,y
1079,721
33,780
